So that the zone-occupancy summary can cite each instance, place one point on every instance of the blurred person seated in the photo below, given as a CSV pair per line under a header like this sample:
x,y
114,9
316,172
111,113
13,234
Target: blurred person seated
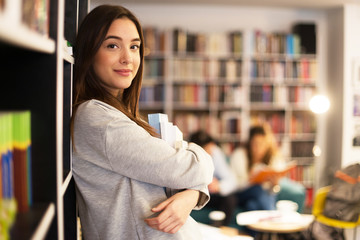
x,y
224,182
261,153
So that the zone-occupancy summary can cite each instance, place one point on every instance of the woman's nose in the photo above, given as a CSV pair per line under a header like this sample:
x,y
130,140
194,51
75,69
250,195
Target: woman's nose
x,y
125,57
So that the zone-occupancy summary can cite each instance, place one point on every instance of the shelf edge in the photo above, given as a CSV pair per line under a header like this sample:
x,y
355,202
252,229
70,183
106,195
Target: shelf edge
x,y
66,183
24,37
45,223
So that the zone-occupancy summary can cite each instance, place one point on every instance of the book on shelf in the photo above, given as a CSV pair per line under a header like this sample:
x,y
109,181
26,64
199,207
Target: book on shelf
x,y
6,149
236,42
275,119
264,173
231,122
15,147
275,43
22,159
302,149
36,15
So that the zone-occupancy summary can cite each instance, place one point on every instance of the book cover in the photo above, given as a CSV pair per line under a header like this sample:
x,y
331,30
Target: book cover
x,y
155,119
264,174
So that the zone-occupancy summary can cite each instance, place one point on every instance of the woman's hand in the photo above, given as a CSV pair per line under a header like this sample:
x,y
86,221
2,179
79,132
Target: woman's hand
x,y
214,186
174,211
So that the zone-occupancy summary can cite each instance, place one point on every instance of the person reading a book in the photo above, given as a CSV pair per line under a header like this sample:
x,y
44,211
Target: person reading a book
x,y
260,171
258,155
120,167
224,185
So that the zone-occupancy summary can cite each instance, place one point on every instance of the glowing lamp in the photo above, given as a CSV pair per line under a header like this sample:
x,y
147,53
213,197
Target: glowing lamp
x,y
319,104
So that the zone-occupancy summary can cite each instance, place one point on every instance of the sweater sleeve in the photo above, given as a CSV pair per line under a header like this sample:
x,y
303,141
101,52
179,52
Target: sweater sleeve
x,y
133,152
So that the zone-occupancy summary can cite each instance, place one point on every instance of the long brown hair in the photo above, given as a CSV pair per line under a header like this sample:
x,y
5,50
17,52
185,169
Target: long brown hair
x,y
87,86
261,130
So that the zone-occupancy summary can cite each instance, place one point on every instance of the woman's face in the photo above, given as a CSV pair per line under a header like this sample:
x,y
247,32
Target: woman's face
x,y
259,147
118,58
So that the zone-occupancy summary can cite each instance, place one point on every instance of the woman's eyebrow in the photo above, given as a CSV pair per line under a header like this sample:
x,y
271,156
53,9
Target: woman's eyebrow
x,y
119,38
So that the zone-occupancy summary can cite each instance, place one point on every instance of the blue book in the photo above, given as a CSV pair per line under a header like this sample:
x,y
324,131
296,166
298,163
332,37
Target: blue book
x,y
155,119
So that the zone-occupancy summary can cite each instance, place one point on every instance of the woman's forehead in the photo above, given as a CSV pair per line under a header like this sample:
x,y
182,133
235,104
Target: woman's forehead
x,y
123,28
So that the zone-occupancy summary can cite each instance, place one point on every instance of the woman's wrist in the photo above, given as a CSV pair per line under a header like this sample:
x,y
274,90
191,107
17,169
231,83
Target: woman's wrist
x,y
196,196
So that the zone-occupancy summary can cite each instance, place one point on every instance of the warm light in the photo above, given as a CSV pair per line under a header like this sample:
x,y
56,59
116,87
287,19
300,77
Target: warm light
x,y
316,151
319,104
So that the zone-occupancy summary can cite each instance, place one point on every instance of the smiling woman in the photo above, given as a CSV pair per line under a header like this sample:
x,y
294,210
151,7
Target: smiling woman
x,y
121,169
118,58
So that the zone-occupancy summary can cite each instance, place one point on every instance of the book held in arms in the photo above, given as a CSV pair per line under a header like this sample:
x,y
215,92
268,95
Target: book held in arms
x,y
167,130
15,167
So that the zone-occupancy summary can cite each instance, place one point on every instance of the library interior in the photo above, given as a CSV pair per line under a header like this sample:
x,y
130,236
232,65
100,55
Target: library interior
x,y
270,89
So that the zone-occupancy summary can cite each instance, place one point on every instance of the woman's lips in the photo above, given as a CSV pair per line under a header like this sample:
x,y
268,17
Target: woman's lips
x,y
123,72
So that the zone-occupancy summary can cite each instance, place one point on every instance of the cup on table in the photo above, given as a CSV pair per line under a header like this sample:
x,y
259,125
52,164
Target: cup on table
x,y
286,206
217,218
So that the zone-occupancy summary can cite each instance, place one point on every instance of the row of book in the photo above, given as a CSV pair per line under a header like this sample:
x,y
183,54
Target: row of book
x,y
204,70
230,70
154,68
267,93
276,120
36,15
303,174
302,122
15,158
195,69
302,149
179,40
15,149
231,94
193,94
152,94
275,43
227,123
183,41
300,71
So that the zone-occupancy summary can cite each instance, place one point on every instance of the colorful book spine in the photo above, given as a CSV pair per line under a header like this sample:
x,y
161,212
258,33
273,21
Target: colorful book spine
x,y
7,156
22,164
15,150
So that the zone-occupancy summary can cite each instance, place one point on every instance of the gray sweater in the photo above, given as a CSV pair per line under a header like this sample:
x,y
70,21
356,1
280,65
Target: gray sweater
x,y
121,171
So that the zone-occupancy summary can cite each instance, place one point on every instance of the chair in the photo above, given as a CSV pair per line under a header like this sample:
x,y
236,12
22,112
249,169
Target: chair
x,y
318,207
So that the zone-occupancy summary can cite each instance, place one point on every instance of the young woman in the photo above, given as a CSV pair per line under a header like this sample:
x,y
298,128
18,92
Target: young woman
x,y
258,153
121,169
261,152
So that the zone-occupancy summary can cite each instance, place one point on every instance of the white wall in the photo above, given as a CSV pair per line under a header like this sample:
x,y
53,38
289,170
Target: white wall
x,y
216,18
351,53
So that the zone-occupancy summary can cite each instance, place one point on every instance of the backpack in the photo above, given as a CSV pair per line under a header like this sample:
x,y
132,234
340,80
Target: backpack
x,y
343,200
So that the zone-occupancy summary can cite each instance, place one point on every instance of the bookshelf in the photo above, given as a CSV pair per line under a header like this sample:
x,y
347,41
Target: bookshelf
x,y
37,76
206,81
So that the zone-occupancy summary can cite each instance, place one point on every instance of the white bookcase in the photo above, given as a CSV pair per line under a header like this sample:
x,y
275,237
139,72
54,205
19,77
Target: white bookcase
x,y
37,76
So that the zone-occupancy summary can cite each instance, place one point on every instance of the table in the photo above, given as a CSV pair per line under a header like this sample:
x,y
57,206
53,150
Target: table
x,y
271,224
214,233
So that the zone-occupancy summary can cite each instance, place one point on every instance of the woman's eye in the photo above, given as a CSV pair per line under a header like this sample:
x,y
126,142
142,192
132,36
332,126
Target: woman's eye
x,y
135,47
112,46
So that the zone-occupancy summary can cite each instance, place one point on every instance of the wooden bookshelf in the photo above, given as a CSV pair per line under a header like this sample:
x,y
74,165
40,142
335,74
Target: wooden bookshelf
x,y
202,83
37,76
